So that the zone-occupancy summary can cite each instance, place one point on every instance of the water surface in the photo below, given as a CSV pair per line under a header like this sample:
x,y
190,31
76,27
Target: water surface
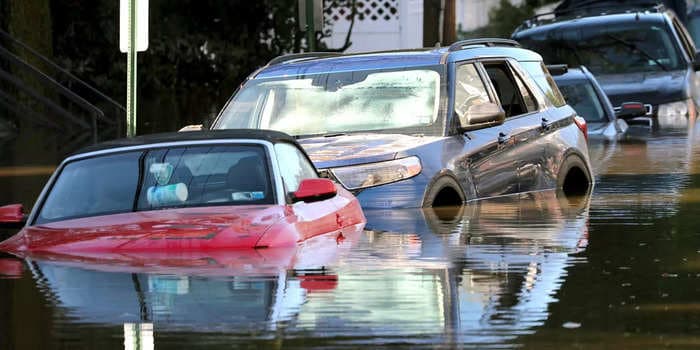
x,y
618,269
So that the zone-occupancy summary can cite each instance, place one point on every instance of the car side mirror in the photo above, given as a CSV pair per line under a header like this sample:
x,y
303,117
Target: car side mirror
x,y
12,215
557,69
629,110
696,61
482,115
314,190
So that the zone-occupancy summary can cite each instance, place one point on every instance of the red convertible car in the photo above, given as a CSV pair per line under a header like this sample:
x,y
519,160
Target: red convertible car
x,y
199,190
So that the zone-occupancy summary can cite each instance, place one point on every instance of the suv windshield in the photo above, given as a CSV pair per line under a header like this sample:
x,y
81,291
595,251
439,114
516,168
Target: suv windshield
x,y
405,101
157,179
581,96
694,27
612,49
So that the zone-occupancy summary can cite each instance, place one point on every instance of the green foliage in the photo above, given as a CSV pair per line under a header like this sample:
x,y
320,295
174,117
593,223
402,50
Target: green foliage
x,y
505,18
202,48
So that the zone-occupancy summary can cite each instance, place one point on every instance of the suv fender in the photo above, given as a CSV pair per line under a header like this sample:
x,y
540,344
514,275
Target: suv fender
x,y
573,175
444,189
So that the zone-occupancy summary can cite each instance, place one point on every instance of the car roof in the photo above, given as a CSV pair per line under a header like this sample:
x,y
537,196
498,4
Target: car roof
x,y
536,26
204,135
352,62
318,63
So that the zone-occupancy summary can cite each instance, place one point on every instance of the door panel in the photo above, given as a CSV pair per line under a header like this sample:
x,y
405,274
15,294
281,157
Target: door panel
x,y
315,218
493,167
516,154
490,161
529,149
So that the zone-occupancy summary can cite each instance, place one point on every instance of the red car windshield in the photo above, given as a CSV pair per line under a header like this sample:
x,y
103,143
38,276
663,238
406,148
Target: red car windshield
x,y
159,178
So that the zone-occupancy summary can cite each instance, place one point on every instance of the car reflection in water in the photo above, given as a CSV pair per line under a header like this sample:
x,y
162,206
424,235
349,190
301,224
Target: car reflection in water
x,y
233,290
483,273
479,274
661,160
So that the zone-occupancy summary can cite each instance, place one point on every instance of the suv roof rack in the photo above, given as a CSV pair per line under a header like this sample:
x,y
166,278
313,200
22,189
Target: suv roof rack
x,y
459,45
597,7
298,56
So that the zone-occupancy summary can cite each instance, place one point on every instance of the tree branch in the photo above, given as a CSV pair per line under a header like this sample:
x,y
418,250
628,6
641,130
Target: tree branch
x,y
348,43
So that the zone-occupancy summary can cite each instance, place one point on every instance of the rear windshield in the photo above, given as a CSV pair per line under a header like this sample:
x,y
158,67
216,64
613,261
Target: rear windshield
x,y
581,95
159,178
620,48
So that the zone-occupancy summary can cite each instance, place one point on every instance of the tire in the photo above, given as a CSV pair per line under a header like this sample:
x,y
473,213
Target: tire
x,y
444,183
574,177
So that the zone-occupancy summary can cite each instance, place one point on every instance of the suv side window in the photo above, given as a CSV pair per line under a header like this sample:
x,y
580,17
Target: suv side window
x,y
293,166
469,89
539,73
506,88
526,94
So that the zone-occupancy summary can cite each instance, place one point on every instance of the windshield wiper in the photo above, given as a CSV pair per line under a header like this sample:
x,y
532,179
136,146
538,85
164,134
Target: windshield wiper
x,y
634,48
330,134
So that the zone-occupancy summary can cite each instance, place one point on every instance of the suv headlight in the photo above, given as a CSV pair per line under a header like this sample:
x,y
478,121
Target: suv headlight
x,y
675,113
374,174
678,108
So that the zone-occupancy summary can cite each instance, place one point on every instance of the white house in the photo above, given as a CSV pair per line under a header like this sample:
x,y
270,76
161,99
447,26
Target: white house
x,y
396,24
379,25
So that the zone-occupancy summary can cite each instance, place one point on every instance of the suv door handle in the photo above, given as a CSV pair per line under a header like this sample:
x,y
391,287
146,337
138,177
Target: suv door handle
x,y
545,124
503,138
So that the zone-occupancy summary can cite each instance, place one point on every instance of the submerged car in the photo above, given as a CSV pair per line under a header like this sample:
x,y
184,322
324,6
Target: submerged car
x,y
184,191
421,128
582,92
637,53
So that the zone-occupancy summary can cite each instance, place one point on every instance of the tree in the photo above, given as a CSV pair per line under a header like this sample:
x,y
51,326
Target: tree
x,y
199,52
505,18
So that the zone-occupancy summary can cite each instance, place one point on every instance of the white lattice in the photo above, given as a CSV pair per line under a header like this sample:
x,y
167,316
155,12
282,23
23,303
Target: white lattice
x,y
367,10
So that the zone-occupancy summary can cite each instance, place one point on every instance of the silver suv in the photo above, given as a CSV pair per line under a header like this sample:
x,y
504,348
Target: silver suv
x,y
428,127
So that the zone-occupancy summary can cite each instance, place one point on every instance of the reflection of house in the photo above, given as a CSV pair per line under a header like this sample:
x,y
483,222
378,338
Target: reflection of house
x,y
405,24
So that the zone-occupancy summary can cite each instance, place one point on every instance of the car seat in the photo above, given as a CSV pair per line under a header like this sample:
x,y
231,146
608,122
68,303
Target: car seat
x,y
247,175
181,174
111,193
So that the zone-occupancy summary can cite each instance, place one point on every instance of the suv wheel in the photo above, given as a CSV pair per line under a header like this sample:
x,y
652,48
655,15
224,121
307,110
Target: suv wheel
x,y
574,178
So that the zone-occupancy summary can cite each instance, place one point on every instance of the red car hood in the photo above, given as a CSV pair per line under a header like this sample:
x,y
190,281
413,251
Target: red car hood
x,y
173,229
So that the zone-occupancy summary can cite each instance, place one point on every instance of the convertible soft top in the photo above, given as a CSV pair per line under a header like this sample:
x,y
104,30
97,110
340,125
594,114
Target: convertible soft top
x,y
250,134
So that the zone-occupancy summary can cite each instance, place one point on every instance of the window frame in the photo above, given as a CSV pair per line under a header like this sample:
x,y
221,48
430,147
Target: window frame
x,y
549,82
304,156
493,97
513,74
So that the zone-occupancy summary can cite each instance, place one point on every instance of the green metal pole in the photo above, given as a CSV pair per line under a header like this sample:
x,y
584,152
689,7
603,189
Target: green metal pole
x,y
131,73
310,30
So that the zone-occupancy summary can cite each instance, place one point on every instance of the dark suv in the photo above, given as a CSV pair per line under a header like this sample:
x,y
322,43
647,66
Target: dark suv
x,y
427,127
637,54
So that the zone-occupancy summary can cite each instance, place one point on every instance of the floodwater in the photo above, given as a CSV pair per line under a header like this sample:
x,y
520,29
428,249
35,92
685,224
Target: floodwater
x,y
619,269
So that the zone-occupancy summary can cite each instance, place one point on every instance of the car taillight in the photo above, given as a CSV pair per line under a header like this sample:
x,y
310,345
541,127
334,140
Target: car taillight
x,y
581,123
